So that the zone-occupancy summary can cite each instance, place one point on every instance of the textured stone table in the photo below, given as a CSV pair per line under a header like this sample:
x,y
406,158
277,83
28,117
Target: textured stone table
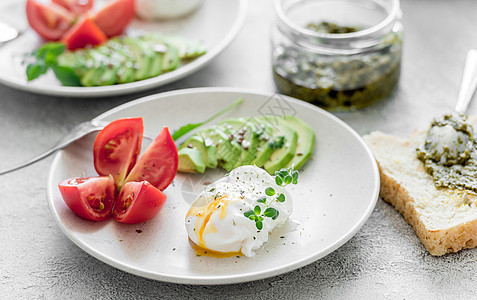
x,y
385,258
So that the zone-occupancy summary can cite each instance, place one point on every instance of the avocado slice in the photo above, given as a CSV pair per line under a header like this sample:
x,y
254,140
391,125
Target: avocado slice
x,y
245,134
283,155
208,152
171,59
190,161
125,58
187,48
265,134
95,68
159,48
305,143
75,60
228,151
144,56
111,65
156,65
270,142
234,141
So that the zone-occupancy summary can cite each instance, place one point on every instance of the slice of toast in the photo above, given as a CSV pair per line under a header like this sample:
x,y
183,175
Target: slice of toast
x,y
445,220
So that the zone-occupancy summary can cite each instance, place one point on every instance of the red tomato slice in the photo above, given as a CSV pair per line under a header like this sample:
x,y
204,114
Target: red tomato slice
x,y
117,147
82,34
49,21
91,198
138,202
158,165
77,7
115,16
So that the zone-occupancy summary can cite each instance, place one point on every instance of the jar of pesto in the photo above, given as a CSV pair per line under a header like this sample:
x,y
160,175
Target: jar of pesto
x,y
337,54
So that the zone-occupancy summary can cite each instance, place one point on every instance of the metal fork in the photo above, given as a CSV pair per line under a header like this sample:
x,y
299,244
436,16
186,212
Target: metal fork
x,y
8,33
469,82
76,133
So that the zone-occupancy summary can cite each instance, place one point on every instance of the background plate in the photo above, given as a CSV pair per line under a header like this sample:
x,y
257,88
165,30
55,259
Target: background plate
x,y
216,23
337,191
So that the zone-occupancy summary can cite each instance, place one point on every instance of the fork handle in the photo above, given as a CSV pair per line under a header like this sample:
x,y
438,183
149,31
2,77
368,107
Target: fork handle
x,y
46,153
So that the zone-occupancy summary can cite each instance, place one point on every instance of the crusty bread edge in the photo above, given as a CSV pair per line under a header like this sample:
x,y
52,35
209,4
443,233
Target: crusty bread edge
x,y
437,242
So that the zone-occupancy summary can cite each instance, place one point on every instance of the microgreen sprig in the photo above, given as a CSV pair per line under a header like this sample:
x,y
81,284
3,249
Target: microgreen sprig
x,y
282,178
286,176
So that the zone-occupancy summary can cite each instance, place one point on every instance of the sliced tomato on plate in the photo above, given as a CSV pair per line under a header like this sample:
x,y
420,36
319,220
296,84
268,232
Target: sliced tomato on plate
x,y
91,198
115,16
50,21
140,182
117,147
77,7
158,164
138,202
82,34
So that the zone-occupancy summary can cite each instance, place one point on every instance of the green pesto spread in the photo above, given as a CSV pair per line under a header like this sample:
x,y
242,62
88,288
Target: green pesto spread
x,y
339,81
450,153
328,27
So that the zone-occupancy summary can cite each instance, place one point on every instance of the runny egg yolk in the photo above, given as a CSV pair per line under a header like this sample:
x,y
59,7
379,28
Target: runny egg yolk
x,y
204,214
200,251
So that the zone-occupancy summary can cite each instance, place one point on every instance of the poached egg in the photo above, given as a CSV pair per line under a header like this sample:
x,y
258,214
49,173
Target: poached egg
x,y
217,219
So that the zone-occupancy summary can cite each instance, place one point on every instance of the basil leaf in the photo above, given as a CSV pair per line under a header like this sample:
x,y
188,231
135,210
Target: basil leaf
x,y
46,57
35,70
66,75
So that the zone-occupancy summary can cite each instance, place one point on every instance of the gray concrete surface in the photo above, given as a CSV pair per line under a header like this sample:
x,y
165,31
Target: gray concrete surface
x,y
384,260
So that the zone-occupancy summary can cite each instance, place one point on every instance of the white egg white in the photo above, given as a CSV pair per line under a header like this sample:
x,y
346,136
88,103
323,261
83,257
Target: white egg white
x,y
216,219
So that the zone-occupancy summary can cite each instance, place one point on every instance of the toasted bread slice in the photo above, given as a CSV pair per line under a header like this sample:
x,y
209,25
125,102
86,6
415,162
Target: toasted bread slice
x,y
445,220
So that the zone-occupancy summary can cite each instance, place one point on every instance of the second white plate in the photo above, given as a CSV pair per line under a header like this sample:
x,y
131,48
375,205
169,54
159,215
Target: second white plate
x,y
337,191
215,23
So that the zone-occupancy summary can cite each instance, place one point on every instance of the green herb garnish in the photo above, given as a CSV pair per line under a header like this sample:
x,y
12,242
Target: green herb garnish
x,y
282,178
189,127
277,143
45,58
269,191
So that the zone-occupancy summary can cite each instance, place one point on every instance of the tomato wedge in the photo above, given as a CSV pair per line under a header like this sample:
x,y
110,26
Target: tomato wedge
x,y
117,147
138,202
82,34
91,198
158,164
77,7
49,21
115,16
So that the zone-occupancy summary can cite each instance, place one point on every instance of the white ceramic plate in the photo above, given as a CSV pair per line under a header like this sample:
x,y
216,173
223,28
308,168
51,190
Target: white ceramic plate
x,y
216,23
337,191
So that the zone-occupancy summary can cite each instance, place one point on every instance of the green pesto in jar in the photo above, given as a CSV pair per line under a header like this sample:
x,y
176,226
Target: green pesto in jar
x,y
328,27
339,82
450,153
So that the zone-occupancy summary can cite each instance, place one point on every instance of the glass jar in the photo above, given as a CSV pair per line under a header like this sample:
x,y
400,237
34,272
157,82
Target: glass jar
x,y
337,71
